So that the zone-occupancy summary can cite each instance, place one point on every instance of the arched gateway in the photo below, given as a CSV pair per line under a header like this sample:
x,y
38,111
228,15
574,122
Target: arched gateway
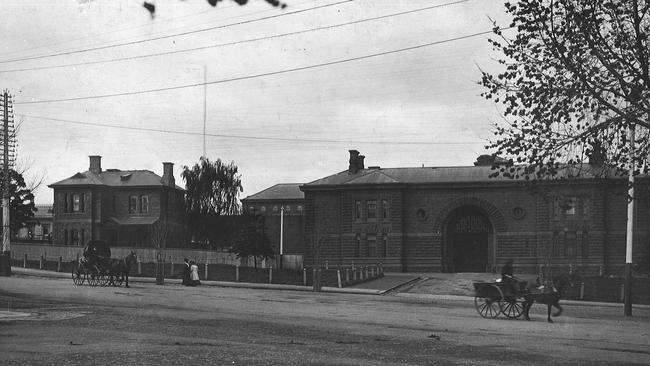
x,y
468,235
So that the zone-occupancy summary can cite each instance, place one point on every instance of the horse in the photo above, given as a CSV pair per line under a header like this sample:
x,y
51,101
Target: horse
x,y
122,267
548,294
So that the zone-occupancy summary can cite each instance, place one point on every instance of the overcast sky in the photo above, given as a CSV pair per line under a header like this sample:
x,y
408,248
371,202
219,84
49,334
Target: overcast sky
x,y
87,75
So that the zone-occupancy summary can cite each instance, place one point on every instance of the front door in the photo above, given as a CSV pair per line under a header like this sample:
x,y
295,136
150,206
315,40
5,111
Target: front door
x,y
470,243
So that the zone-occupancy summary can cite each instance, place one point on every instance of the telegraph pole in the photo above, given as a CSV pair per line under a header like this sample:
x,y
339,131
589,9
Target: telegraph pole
x,y
281,233
627,290
5,255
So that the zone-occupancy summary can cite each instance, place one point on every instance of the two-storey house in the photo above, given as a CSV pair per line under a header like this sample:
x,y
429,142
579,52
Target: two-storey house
x,y
134,208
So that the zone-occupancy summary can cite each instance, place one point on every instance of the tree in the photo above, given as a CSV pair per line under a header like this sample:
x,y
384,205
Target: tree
x,y
252,241
576,85
212,190
21,201
576,78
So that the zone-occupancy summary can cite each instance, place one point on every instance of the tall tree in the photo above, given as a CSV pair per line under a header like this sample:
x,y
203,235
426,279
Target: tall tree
x,y
212,190
21,201
575,79
252,240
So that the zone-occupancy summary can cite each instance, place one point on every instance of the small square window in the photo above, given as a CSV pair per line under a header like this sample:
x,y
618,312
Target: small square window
x,y
287,208
263,209
275,208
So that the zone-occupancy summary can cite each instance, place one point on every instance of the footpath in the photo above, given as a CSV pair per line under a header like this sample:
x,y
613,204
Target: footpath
x,y
433,286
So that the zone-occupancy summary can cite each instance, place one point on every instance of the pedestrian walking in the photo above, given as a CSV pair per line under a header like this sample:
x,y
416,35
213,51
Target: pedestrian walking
x,y
186,272
194,274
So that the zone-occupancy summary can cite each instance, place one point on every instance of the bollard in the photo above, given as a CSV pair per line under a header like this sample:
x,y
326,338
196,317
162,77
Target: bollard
x,y
171,270
347,276
25,261
582,290
366,270
40,263
327,266
372,272
206,271
304,276
354,274
237,273
338,277
58,267
270,274
139,268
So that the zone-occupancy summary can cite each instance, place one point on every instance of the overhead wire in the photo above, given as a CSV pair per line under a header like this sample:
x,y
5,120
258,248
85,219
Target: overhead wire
x,y
128,58
253,76
248,137
173,35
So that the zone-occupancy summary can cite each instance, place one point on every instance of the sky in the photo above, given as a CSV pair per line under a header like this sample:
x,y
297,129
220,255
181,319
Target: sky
x,y
288,93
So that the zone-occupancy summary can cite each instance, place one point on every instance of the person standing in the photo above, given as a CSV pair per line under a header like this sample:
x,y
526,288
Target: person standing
x,y
186,272
194,274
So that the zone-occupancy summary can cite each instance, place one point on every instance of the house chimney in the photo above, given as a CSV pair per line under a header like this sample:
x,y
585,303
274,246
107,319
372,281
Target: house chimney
x,y
354,157
360,165
95,164
168,175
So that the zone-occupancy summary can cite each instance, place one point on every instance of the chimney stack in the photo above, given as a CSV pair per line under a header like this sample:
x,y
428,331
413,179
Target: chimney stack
x,y
167,178
95,164
354,155
360,165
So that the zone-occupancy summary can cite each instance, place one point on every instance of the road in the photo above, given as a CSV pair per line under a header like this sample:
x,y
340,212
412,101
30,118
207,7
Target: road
x,y
168,325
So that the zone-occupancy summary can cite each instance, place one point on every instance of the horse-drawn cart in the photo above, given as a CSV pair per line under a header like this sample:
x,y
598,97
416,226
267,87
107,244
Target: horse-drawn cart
x,y
96,267
494,298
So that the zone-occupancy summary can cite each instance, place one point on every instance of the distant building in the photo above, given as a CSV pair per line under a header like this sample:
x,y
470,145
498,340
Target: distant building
x,y
134,208
458,219
39,227
281,199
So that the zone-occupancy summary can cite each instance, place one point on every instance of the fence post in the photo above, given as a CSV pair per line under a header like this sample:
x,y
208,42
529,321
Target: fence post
x,y
338,277
171,270
582,290
366,273
58,267
270,274
327,266
347,276
206,270
40,263
139,268
304,276
622,292
237,273
354,274
25,261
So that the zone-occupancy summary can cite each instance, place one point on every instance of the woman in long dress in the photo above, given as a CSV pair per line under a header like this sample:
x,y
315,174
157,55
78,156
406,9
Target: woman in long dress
x,y
194,274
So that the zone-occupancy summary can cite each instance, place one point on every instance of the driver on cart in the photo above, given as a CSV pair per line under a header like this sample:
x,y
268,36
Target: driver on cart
x,y
513,284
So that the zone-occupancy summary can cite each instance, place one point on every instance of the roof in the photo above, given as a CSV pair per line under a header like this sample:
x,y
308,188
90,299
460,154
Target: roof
x,y
43,211
114,178
282,191
430,175
142,220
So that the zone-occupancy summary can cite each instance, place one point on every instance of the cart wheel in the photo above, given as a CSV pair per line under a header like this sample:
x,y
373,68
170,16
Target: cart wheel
x,y
78,277
118,280
512,307
93,279
104,279
487,300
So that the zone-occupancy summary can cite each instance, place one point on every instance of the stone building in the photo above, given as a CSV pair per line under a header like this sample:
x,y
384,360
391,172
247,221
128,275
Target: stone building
x,y
134,208
459,219
286,200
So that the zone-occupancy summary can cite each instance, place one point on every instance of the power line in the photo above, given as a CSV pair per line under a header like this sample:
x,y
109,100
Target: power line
x,y
247,137
233,43
173,35
258,75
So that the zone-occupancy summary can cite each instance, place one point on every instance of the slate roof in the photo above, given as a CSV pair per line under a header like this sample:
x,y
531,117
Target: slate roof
x,y
114,178
282,191
427,175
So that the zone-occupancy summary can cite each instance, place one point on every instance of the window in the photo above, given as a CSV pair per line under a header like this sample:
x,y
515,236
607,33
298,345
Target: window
x,y
384,209
287,208
555,250
251,209
275,208
263,209
74,236
371,245
570,244
357,210
144,204
384,245
76,203
357,245
133,204
299,208
372,209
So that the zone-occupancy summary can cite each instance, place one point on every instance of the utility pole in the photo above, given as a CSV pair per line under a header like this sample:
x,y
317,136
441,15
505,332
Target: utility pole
x,y
7,139
627,291
281,232
205,102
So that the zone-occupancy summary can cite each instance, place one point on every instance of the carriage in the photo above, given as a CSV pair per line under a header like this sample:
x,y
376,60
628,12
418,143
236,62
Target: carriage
x,y
94,267
498,297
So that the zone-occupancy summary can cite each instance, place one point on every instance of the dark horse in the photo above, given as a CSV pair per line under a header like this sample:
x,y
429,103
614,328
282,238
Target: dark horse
x,y
120,268
548,294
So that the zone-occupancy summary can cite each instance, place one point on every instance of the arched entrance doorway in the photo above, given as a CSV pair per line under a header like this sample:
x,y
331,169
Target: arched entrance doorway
x,y
468,240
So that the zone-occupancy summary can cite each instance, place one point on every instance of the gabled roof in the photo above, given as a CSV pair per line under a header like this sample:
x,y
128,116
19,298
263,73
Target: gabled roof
x,y
282,191
114,178
429,175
